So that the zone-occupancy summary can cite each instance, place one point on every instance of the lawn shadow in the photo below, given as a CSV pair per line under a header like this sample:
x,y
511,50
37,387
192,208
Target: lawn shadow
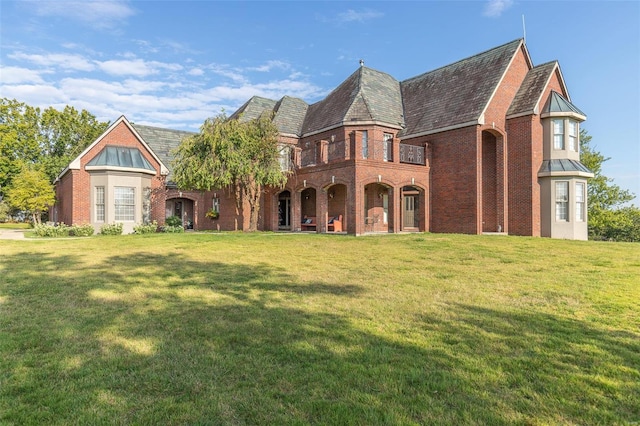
x,y
159,339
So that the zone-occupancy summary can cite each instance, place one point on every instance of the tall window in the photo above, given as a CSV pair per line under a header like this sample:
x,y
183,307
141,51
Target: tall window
x,y
284,157
573,136
387,147
562,201
216,205
365,144
124,203
558,134
99,203
580,201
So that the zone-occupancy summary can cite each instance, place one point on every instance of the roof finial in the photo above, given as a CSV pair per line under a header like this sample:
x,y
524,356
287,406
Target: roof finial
x,y
362,62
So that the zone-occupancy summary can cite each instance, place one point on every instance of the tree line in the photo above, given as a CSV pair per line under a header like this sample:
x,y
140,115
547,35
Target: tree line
x,y
36,145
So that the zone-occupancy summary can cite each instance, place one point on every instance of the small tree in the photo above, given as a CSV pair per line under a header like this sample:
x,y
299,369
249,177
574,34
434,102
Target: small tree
x,y
608,219
232,153
31,192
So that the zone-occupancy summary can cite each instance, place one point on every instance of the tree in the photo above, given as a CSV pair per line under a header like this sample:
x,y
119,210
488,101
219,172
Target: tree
x,y
31,192
241,155
609,219
49,139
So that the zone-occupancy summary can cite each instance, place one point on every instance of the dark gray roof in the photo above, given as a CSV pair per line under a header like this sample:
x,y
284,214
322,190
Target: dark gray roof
x,y
531,89
162,141
557,103
254,108
454,94
365,95
563,165
289,115
120,156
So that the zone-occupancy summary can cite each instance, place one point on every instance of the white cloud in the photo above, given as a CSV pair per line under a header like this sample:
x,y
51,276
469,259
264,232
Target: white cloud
x,y
494,8
358,16
195,71
64,61
97,14
17,75
136,67
270,65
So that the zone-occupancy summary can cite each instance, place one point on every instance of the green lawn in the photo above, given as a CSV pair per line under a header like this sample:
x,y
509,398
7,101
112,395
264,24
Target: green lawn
x,y
319,329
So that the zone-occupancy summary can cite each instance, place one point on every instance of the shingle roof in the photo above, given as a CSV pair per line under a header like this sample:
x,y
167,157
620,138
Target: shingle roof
x,y
557,103
120,156
161,141
531,89
365,95
289,115
457,93
254,108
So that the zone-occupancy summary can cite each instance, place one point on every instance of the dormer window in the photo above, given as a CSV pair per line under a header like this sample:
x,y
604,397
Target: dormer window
x,y
558,134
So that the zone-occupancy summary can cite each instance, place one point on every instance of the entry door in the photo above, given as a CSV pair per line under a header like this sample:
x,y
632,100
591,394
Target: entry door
x,y
284,213
410,214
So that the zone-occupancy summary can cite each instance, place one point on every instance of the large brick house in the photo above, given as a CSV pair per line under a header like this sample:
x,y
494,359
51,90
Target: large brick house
x,y
486,144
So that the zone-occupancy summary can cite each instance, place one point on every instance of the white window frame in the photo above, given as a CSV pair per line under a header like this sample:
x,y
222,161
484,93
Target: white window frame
x,y
562,201
580,197
574,136
124,200
365,144
100,204
387,139
558,134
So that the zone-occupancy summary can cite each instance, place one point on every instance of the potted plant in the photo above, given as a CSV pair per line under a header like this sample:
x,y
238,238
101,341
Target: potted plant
x,y
212,214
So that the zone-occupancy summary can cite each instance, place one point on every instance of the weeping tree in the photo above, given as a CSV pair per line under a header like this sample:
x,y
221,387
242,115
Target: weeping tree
x,y
231,153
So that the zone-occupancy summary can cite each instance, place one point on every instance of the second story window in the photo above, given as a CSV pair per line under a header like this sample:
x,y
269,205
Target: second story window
x,y
284,157
558,134
365,144
387,147
573,136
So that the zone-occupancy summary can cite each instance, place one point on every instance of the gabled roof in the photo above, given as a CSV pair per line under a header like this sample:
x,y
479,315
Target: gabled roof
x,y
75,163
162,141
120,157
289,115
527,99
366,95
557,105
456,94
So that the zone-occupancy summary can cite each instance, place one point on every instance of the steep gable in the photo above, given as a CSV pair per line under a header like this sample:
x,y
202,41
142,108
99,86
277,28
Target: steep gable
x,y
457,94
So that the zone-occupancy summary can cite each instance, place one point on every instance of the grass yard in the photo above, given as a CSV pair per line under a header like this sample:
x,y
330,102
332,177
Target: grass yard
x,y
319,329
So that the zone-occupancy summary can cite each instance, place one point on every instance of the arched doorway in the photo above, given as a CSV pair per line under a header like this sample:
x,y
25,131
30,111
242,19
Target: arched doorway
x,y
284,211
376,208
181,208
337,208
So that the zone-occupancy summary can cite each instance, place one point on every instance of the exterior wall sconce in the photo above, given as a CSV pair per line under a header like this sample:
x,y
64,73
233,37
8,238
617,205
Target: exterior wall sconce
x,y
331,194
304,183
380,194
333,179
333,138
379,178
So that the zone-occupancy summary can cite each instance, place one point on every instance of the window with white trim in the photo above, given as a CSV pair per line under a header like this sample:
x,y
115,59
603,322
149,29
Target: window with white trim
x,y
284,157
573,136
580,205
365,144
124,199
99,194
558,134
562,201
387,146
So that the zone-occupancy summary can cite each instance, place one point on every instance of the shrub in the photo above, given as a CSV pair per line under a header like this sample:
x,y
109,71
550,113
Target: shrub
x,y
148,228
111,229
81,230
172,229
44,230
173,221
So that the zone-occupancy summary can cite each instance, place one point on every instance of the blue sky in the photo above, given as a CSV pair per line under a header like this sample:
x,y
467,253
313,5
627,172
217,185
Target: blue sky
x,y
173,64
